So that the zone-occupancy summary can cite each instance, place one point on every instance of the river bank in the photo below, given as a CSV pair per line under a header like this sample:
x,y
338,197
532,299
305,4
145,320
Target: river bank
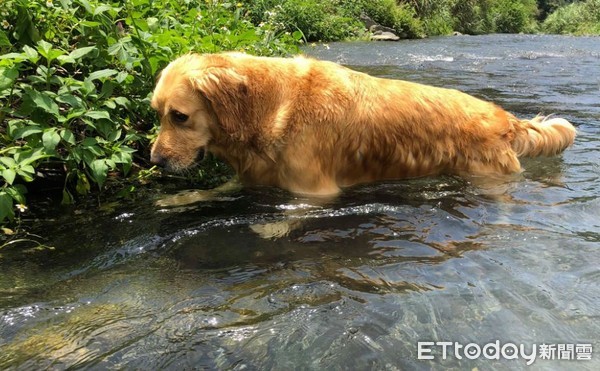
x,y
332,20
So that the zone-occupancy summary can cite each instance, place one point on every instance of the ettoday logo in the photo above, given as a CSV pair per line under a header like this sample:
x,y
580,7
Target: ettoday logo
x,y
426,350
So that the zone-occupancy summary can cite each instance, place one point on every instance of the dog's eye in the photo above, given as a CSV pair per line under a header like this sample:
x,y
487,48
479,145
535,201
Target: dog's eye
x,y
178,117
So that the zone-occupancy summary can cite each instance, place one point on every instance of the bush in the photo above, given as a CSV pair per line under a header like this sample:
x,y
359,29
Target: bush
x,y
402,18
331,20
470,16
318,20
513,16
436,16
76,77
582,18
489,16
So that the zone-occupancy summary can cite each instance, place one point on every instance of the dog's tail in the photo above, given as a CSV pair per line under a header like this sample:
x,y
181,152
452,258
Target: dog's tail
x,y
542,136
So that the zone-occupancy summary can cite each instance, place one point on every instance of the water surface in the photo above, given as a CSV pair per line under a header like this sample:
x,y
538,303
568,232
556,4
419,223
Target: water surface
x,y
357,281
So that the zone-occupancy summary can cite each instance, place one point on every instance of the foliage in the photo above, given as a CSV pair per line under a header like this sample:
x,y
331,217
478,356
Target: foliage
x,y
76,76
335,19
316,19
435,15
547,7
491,16
401,17
326,20
513,16
581,18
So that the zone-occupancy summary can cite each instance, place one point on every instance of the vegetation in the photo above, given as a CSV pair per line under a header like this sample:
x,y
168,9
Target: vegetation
x,y
326,20
76,75
580,18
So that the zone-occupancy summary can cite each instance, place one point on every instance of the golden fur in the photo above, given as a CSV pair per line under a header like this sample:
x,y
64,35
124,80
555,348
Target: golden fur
x,y
313,127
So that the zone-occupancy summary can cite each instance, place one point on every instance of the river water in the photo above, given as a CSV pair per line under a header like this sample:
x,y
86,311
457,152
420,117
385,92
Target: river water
x,y
357,282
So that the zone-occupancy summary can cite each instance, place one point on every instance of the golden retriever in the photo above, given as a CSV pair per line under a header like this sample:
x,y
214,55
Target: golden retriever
x,y
313,127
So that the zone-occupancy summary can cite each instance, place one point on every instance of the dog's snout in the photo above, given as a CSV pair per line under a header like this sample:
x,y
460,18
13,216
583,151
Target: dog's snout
x,y
157,159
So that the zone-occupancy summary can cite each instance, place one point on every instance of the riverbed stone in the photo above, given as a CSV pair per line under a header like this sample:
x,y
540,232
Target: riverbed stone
x,y
379,32
385,36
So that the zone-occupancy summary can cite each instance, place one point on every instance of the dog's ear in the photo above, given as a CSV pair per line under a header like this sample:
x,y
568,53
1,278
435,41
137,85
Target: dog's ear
x,y
228,94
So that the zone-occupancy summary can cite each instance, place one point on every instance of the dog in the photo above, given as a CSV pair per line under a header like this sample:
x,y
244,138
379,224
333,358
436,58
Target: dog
x,y
314,127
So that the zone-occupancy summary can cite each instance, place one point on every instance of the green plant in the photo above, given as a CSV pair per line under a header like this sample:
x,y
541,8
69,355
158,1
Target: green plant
x,y
487,16
76,77
316,20
513,16
401,17
581,18
331,20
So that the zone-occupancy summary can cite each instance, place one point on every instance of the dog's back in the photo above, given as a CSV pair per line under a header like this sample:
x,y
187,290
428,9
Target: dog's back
x,y
312,127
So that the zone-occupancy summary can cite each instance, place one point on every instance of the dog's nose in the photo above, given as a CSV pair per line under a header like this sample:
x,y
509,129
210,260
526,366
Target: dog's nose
x,y
157,159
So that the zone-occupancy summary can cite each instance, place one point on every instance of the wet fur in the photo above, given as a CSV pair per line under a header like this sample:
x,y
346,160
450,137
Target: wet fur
x,y
313,127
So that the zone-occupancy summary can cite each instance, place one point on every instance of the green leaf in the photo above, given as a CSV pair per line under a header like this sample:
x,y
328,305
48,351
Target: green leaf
x,y
26,131
44,47
50,139
67,197
8,161
47,51
31,53
71,100
101,74
8,77
121,76
113,135
88,142
90,24
26,172
83,184
297,35
18,57
63,59
98,115
80,52
127,149
88,87
87,6
25,30
93,152
6,207
75,113
4,40
25,158
122,101
42,100
67,136
99,171
103,8
17,192
9,175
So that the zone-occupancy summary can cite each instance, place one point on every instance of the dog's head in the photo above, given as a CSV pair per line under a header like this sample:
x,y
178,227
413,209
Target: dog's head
x,y
201,100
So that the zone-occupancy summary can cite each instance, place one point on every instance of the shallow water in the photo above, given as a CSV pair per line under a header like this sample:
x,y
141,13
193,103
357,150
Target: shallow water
x,y
358,281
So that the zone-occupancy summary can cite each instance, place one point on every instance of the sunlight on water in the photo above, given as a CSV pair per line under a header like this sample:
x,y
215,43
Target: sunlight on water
x,y
265,280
